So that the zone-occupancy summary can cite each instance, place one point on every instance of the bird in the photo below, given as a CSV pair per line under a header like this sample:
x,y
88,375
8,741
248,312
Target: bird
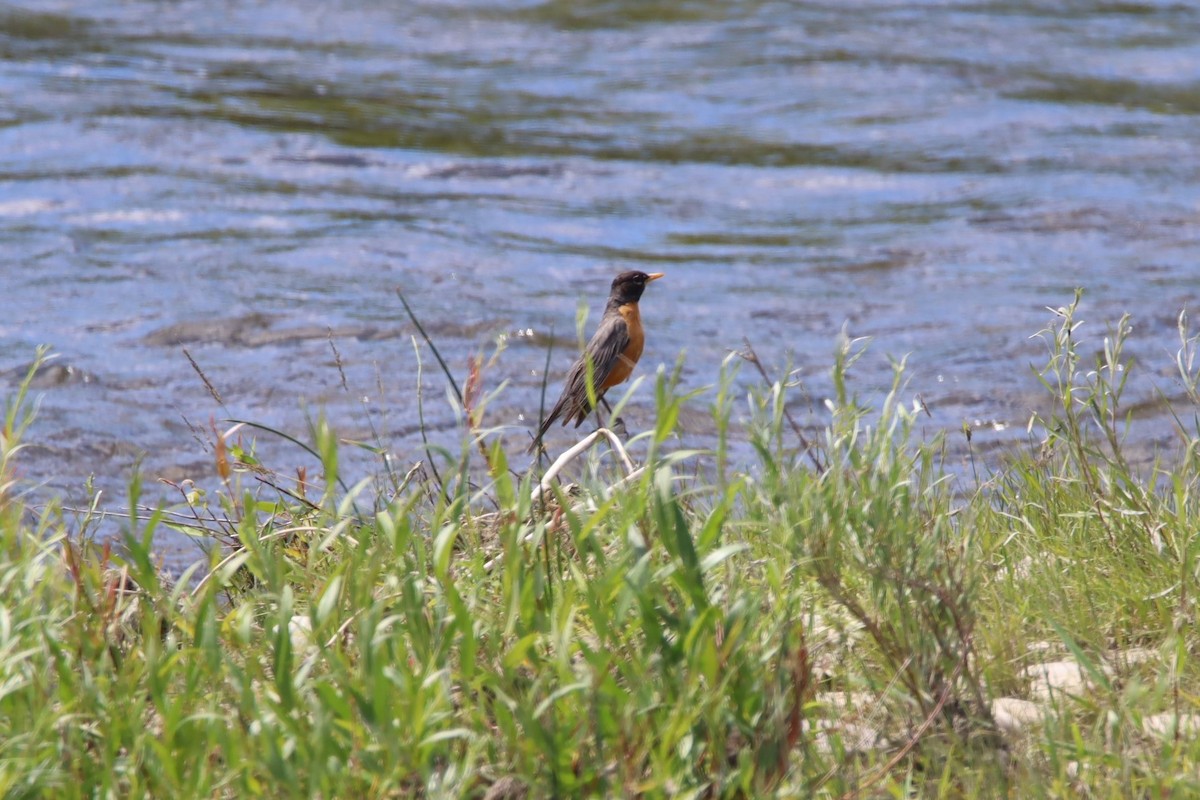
x,y
613,351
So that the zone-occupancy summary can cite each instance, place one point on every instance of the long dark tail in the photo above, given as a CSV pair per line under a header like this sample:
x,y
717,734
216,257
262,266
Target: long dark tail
x,y
569,408
554,414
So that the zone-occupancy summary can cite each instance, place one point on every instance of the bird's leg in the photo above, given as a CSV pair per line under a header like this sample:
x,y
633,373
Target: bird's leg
x,y
607,407
615,424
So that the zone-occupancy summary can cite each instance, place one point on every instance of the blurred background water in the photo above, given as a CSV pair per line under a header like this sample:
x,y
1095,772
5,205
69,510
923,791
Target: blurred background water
x,y
249,179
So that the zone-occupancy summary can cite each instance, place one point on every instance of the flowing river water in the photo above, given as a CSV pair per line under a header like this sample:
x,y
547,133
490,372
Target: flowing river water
x,y
251,180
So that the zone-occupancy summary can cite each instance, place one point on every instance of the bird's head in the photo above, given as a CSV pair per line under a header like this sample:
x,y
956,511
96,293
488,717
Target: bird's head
x,y
628,286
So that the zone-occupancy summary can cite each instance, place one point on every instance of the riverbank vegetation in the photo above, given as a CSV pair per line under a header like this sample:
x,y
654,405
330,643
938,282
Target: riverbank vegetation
x,y
843,617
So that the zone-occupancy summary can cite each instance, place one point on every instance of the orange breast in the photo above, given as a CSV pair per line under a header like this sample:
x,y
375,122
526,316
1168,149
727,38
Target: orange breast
x,y
633,351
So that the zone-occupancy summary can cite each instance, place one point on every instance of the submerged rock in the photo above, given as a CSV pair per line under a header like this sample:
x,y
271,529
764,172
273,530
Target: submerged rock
x,y
254,330
52,374
231,330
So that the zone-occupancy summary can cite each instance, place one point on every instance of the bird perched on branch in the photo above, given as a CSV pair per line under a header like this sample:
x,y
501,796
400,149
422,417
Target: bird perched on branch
x,y
612,353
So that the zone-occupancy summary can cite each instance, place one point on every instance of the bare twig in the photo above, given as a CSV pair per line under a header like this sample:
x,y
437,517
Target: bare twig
x,y
542,401
226,531
913,740
628,479
441,362
212,390
124,515
220,564
809,450
421,420
408,478
337,361
381,449
282,490
238,423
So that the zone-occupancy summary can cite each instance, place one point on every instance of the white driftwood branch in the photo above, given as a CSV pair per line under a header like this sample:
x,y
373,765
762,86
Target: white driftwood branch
x,y
574,452
561,462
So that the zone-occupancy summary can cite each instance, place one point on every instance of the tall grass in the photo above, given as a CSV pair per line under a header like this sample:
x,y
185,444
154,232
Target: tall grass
x,y
835,619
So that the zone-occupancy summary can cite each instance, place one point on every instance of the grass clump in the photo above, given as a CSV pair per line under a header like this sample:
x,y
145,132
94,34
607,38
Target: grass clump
x,y
841,618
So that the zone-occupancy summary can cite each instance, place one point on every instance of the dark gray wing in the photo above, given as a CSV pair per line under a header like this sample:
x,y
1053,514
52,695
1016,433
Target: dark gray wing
x,y
604,350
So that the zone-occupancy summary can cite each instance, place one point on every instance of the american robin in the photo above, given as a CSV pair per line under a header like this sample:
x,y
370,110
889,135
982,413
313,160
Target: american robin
x,y
613,351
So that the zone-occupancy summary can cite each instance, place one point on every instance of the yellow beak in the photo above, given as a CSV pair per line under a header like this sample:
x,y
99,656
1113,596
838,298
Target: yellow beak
x,y
653,276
